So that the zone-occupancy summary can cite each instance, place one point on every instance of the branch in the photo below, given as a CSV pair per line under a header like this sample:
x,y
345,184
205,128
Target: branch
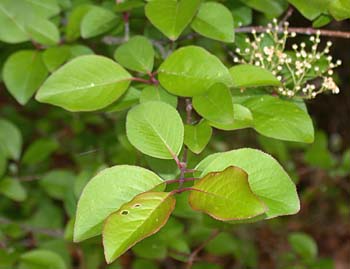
x,y
299,30
194,254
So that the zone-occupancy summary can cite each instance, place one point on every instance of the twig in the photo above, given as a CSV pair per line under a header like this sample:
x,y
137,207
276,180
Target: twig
x,y
299,30
27,228
126,16
178,180
286,16
194,254
184,156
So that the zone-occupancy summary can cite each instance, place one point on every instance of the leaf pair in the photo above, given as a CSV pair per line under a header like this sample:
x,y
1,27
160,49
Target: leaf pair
x,y
171,17
125,203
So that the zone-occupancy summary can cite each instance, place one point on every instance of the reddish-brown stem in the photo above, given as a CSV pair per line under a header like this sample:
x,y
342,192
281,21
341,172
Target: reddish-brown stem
x,y
183,190
178,180
299,30
146,81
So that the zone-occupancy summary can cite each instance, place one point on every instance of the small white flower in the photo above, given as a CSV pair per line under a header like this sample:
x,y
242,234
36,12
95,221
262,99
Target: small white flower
x,y
317,68
329,58
329,43
253,31
302,45
257,63
236,60
238,50
312,38
339,62
295,46
318,32
279,68
247,50
274,20
293,34
279,78
313,94
330,72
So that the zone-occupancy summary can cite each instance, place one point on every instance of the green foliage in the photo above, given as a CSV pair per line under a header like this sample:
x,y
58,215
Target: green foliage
x,y
226,196
161,128
171,17
84,84
149,156
140,218
215,21
137,54
191,71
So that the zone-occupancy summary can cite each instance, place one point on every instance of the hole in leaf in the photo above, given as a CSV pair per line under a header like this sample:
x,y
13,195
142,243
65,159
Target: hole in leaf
x,y
137,205
124,212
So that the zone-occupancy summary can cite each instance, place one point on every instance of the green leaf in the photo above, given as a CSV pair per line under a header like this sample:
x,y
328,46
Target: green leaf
x,y
3,162
12,28
23,73
145,215
157,93
197,136
243,118
46,9
191,71
172,16
340,9
280,119
226,195
137,54
41,259
43,31
97,21
246,75
215,21
39,151
215,105
267,179
156,129
106,193
74,21
129,5
13,189
57,183
10,139
56,56
304,245
130,98
85,83
310,9
271,8
318,154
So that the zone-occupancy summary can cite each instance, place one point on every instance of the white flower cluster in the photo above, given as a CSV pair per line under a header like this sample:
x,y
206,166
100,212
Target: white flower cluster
x,y
303,73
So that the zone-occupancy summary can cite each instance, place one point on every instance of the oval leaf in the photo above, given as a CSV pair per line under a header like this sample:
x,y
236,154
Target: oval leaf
x,y
157,93
97,21
215,21
226,196
280,119
267,179
215,105
137,54
106,193
10,139
13,189
42,259
246,75
191,71
86,83
156,129
145,215
172,16
24,72
197,136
